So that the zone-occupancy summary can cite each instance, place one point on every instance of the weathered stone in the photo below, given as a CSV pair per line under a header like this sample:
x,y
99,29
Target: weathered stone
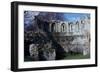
x,y
47,54
33,49
80,49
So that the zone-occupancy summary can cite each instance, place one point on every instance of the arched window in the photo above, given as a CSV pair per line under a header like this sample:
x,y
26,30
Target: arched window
x,y
53,27
62,27
77,23
70,26
83,23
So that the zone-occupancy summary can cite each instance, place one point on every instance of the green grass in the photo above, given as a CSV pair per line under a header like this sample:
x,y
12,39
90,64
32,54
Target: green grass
x,y
68,56
76,56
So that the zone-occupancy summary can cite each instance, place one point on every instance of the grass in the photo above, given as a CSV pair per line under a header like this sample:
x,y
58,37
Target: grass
x,y
76,56
68,56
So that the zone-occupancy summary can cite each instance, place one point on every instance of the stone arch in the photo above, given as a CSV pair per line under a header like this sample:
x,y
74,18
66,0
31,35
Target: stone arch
x,y
62,27
77,23
53,27
70,26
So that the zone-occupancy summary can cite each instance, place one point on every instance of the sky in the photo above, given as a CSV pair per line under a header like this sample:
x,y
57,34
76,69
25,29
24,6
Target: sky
x,y
75,16
62,16
30,15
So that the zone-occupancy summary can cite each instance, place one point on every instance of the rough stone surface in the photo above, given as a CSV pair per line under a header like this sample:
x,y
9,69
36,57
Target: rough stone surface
x,y
47,54
33,49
